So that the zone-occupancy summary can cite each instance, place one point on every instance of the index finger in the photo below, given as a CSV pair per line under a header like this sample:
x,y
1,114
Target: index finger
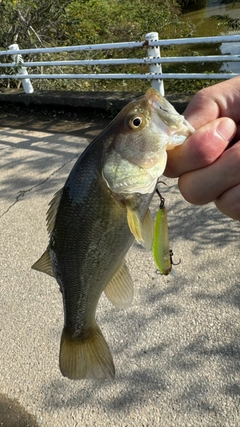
x,y
220,100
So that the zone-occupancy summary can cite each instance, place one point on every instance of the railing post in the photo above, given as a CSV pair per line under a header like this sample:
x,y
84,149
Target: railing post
x,y
27,85
154,52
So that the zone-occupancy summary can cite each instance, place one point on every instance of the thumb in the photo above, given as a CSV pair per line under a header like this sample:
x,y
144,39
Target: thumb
x,y
202,148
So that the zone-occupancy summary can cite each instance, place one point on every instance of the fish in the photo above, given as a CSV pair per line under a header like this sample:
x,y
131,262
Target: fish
x,y
93,220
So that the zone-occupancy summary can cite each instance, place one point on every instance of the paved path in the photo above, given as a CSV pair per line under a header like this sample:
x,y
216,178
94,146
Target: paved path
x,y
176,350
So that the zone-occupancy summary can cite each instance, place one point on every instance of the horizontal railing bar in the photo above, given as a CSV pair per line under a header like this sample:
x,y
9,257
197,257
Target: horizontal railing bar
x,y
195,40
122,76
125,61
125,45
107,46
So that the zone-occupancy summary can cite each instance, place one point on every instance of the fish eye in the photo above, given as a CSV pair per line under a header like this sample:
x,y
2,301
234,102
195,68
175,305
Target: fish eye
x,y
135,122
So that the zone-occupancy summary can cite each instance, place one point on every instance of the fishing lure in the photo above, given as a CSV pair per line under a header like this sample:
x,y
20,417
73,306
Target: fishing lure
x,y
161,252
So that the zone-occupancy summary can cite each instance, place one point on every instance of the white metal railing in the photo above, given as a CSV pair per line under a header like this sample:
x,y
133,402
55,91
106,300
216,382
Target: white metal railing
x,y
154,59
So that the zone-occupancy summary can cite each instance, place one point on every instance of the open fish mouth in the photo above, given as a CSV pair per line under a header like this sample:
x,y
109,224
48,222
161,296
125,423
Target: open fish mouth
x,y
167,120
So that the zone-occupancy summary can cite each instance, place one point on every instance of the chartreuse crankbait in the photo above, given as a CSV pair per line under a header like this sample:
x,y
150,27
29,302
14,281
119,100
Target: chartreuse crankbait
x,y
161,252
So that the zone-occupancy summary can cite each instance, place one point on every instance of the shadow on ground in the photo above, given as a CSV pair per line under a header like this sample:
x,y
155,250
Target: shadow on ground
x,y
12,414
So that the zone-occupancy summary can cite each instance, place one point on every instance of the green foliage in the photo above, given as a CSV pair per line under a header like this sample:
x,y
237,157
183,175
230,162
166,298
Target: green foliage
x,y
187,86
227,22
31,23
98,21
46,23
187,5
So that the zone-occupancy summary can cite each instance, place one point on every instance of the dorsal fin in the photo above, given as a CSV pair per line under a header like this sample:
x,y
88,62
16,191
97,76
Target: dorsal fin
x,y
120,289
52,211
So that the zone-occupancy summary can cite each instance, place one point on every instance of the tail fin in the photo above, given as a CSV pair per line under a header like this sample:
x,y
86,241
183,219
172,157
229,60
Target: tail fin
x,y
86,358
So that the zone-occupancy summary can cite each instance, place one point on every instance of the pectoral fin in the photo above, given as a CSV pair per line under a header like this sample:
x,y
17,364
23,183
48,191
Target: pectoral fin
x,y
44,264
148,230
120,289
142,230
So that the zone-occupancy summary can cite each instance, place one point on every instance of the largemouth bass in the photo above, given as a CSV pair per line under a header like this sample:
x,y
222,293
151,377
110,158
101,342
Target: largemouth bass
x,y
94,219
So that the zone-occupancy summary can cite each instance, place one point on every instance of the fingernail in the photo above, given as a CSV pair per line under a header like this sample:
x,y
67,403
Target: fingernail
x,y
226,129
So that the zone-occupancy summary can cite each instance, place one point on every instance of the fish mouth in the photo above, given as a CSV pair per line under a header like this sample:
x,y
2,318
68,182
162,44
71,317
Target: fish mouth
x,y
167,119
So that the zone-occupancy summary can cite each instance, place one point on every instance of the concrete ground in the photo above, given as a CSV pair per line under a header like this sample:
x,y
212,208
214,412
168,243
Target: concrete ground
x,y
176,349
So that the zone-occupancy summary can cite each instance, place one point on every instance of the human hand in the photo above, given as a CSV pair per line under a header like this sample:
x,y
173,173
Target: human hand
x,y
208,171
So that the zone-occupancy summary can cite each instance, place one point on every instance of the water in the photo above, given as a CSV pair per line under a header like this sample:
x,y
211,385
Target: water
x,y
206,25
